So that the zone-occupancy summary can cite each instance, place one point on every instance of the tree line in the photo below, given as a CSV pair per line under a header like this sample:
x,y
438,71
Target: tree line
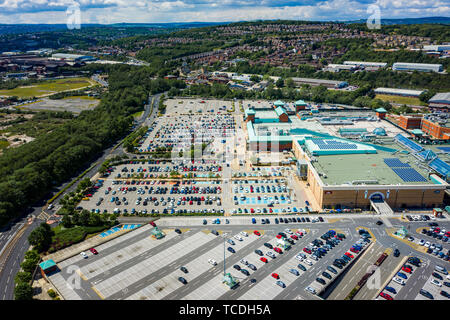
x,y
28,173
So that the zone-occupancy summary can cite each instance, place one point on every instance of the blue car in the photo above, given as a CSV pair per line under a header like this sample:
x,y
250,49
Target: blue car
x,y
390,289
294,209
402,275
253,220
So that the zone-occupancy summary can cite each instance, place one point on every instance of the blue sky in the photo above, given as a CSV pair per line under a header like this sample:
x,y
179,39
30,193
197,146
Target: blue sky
x,y
148,11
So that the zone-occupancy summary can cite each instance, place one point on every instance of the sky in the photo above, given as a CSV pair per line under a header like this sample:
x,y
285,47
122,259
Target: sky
x,y
160,11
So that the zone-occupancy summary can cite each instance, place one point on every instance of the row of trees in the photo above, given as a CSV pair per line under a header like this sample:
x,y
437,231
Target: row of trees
x,y
29,172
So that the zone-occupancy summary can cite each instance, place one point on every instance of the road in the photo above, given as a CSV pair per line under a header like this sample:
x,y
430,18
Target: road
x,y
13,255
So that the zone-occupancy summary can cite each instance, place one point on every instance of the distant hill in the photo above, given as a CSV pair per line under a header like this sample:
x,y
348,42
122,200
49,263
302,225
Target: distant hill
x,y
432,20
30,28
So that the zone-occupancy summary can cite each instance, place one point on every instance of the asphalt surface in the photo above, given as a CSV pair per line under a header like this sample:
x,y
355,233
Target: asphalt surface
x,y
294,290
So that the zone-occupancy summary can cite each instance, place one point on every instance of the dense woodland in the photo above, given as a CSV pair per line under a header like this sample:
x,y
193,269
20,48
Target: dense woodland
x,y
29,172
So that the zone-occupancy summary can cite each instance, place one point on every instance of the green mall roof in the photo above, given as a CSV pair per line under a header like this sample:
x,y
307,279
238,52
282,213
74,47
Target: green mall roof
x,y
279,111
300,103
279,103
249,111
47,264
381,110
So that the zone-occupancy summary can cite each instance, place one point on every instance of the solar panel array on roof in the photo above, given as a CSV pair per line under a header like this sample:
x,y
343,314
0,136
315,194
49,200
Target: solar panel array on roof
x,y
445,149
408,143
409,175
333,145
395,163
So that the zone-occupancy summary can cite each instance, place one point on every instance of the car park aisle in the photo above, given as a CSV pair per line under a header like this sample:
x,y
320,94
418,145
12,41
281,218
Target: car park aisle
x,y
195,267
130,255
135,273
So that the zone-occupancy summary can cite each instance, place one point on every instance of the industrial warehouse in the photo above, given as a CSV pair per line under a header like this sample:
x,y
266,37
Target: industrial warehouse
x,y
352,158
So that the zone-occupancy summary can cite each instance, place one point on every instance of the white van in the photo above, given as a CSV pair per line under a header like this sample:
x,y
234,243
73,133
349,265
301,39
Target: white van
x,y
441,269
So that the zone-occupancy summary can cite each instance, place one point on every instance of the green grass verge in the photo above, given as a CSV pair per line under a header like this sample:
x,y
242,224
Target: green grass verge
x,y
48,87
65,237
400,100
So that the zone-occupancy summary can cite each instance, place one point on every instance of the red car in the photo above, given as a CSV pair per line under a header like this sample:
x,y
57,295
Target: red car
x,y
263,259
275,275
279,236
386,296
348,254
252,210
270,210
93,251
257,232
277,250
294,237
152,224
307,250
406,269
353,250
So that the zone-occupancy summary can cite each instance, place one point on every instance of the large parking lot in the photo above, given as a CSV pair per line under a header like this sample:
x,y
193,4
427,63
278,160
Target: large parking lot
x,y
266,266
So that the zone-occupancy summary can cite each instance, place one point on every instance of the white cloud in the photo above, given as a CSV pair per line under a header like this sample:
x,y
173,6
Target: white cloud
x,y
147,11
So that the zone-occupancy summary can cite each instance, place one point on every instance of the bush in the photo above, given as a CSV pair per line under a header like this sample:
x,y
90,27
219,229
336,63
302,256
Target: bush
x,y
23,276
52,293
23,291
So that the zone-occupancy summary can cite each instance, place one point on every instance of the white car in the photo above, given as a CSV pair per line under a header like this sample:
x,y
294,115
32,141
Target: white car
x,y
399,281
212,261
237,237
288,231
427,244
84,255
422,242
243,233
271,254
299,258
308,262
436,283
310,290
243,261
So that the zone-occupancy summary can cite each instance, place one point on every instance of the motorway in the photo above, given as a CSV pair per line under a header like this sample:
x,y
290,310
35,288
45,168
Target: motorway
x,y
13,255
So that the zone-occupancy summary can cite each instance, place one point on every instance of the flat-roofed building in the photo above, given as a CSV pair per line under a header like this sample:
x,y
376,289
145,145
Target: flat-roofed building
x,y
339,67
320,82
423,67
366,64
399,92
436,127
410,122
438,47
440,102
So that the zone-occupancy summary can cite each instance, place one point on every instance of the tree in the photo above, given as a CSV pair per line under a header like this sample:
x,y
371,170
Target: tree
x,y
23,276
255,78
66,221
84,218
290,83
280,83
76,219
41,237
23,291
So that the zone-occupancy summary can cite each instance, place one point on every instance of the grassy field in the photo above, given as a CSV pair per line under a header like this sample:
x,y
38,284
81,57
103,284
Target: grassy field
x,y
400,100
48,87
4,144
138,114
